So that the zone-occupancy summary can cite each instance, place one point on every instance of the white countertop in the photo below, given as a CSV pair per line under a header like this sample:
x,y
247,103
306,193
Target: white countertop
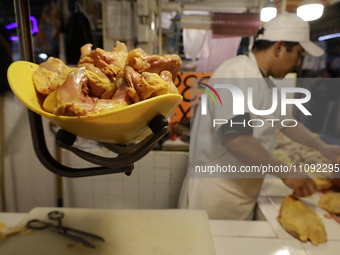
x,y
268,237
257,237
11,219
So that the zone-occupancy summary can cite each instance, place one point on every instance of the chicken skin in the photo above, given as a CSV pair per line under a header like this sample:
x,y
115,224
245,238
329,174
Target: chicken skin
x,y
109,63
72,96
301,221
105,81
145,85
330,202
142,62
50,75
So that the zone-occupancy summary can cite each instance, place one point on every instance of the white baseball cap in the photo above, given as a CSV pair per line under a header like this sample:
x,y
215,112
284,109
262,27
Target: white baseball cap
x,y
290,28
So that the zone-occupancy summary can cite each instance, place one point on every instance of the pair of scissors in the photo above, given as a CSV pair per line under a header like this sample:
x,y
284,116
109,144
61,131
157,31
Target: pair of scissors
x,y
74,234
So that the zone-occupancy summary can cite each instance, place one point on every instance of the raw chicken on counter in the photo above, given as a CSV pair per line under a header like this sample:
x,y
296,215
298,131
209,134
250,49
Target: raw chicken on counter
x,y
301,221
292,153
331,203
104,81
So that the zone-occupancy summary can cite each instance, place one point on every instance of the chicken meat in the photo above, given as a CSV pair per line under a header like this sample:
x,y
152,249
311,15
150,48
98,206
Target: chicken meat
x,y
72,96
142,62
301,222
104,81
145,85
330,202
50,75
109,63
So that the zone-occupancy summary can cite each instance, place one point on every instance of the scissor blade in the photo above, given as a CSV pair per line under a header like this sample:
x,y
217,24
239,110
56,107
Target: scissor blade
x,y
83,233
78,239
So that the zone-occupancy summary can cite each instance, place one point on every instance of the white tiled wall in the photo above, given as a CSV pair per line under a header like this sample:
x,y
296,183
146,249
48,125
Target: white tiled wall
x,y
154,183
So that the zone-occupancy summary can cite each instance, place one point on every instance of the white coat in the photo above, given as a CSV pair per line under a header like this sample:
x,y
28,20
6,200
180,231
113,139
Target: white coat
x,y
225,197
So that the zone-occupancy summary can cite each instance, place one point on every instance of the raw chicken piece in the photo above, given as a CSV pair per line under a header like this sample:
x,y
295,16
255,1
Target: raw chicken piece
x,y
50,75
323,183
105,81
119,100
330,202
101,87
117,56
72,96
142,62
92,68
132,78
299,154
166,75
301,221
153,85
110,63
145,85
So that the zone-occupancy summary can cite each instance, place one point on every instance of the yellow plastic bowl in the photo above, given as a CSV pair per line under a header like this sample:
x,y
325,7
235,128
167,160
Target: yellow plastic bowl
x,y
124,125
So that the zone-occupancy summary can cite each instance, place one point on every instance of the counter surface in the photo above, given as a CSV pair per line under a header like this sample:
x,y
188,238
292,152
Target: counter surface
x,y
257,237
267,237
143,232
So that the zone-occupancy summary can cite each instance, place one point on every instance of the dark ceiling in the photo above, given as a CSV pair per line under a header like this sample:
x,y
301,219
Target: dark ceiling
x,y
329,23
7,13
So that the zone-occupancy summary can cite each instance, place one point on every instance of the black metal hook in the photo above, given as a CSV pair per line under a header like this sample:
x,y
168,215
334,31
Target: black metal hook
x,y
122,163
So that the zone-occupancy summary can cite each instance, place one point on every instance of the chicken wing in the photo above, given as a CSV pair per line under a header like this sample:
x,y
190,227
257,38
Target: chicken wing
x,y
110,63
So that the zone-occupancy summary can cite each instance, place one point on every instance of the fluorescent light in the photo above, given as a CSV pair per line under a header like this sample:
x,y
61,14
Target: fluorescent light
x,y
43,56
196,12
310,10
327,37
268,13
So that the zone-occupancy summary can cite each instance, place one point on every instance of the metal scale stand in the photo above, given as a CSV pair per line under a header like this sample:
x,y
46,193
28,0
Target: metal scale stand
x,y
126,154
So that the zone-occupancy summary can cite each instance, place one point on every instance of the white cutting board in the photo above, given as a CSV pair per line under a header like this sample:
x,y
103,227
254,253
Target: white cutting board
x,y
126,232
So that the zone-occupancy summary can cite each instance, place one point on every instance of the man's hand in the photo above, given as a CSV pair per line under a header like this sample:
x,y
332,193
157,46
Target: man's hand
x,y
302,187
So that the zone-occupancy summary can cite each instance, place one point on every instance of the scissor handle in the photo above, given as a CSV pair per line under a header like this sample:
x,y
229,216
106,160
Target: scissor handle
x,y
55,215
37,224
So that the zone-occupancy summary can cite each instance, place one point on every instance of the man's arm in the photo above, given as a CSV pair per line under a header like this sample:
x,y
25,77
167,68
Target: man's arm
x,y
249,151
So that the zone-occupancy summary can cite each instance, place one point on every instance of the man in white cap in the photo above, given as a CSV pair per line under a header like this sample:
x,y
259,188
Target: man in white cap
x,y
284,31
275,53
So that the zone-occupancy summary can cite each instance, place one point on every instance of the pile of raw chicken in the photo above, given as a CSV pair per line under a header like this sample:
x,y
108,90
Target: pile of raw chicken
x,y
292,153
104,81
